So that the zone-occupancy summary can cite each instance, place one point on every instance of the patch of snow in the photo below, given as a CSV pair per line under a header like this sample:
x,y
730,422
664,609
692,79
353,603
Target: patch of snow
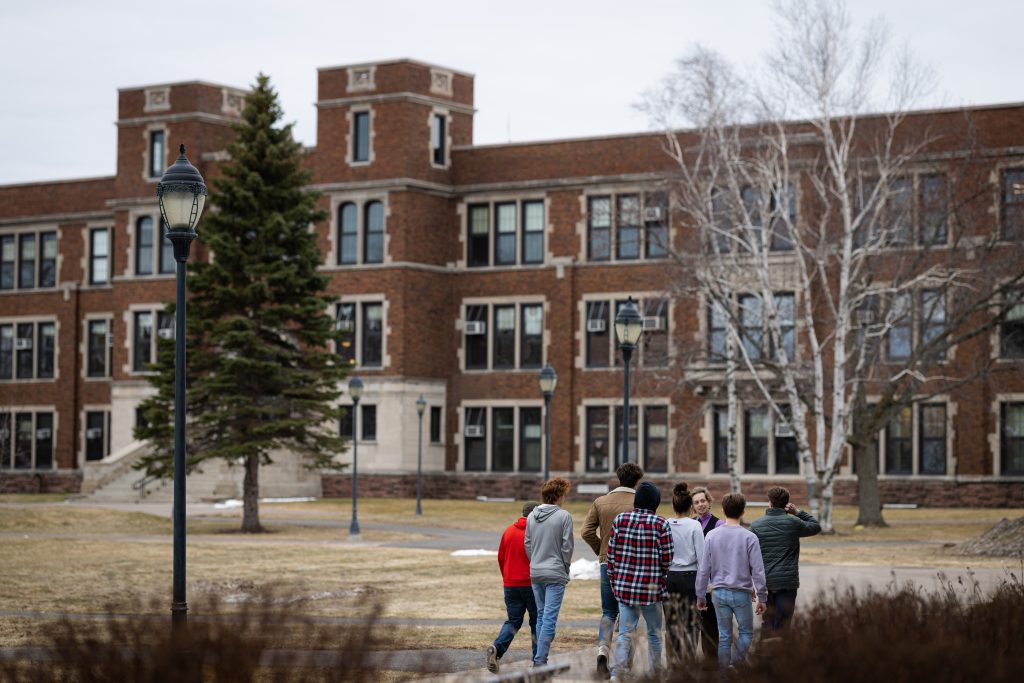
x,y
475,553
585,570
232,503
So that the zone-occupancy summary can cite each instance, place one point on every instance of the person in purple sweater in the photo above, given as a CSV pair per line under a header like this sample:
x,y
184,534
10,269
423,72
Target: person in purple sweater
x,y
732,564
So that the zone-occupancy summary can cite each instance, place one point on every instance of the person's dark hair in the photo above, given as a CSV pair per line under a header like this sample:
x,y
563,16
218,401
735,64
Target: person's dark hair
x,y
553,489
682,500
528,507
733,505
778,497
629,473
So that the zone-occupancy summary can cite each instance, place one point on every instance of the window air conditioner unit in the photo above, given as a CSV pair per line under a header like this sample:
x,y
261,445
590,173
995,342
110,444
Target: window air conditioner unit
x,y
93,433
653,213
474,431
652,323
22,344
43,433
344,325
783,430
598,325
110,340
166,333
476,327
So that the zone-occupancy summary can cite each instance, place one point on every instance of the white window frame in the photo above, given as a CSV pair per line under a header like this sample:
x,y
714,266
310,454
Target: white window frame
x,y
613,194
492,201
350,136
360,201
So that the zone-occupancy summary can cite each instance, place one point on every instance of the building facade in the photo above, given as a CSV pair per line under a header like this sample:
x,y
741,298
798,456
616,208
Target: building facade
x,y
460,271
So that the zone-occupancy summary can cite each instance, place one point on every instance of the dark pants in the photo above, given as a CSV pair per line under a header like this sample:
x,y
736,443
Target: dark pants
x,y
709,631
518,601
778,611
681,620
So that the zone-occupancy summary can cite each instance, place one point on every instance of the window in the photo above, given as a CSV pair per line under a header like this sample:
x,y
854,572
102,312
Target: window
x,y
530,439
361,137
899,451
767,446
755,441
475,440
933,318
785,309
640,227
515,223
720,445
156,153
26,441
513,334
98,352
1012,462
787,457
901,327
601,347
363,238
29,260
503,438
373,245
722,229
933,198
1011,331
438,134
145,251
369,422
166,260
717,332
97,435
435,424
1011,215
919,317
360,333
648,421
345,429
932,438
348,236
751,212
899,211
144,342
752,325
27,350
99,256
783,199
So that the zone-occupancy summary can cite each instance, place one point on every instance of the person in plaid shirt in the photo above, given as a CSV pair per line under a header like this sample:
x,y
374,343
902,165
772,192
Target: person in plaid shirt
x,y
639,554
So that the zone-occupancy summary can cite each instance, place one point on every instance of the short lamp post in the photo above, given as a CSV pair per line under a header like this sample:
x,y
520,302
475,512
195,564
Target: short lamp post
x,y
628,328
547,379
355,390
421,405
181,193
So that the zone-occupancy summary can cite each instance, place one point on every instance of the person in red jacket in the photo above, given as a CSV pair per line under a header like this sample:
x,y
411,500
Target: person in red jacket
x,y
515,571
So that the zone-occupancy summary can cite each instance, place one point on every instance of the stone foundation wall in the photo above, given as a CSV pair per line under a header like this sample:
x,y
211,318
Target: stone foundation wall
x,y
40,482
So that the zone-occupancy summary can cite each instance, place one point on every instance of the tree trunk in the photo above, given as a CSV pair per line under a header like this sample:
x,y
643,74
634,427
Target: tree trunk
x,y
251,495
869,500
730,383
825,518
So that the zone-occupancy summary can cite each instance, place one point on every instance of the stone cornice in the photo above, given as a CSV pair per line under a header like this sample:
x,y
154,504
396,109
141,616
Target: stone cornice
x,y
397,97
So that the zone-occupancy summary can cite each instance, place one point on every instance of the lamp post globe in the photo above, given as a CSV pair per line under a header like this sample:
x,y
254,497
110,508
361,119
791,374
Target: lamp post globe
x,y
421,405
355,390
181,194
547,379
629,325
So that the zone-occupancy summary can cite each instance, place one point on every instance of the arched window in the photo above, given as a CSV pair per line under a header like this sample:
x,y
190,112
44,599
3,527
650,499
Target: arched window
x,y
347,233
373,245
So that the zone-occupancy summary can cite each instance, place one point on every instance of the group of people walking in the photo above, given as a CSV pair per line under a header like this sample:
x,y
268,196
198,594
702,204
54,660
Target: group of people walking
x,y
691,575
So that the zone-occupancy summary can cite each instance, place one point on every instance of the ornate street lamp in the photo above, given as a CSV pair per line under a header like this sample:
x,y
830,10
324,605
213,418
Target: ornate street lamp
x,y
182,195
547,379
355,390
421,405
628,328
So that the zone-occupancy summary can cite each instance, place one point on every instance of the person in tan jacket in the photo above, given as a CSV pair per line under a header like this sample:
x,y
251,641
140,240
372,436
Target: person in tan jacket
x,y
595,532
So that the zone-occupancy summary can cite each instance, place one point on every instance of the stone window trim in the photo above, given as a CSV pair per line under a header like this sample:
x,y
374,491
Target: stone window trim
x,y
131,248
640,298
441,82
146,131
359,300
157,99
232,102
998,197
613,192
707,433
128,318
34,410
35,321
446,115
350,135
493,199
996,341
951,460
83,436
86,262
38,231
490,303
488,405
83,347
361,200
613,404
995,438
361,78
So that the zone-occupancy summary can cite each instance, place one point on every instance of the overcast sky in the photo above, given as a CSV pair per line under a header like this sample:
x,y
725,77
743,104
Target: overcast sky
x,y
544,69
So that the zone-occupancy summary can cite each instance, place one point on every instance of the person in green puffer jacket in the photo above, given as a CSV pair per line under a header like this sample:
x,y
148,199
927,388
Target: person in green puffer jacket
x,y
779,532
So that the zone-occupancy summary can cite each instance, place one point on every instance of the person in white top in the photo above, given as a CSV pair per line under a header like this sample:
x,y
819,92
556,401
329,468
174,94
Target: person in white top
x,y
682,621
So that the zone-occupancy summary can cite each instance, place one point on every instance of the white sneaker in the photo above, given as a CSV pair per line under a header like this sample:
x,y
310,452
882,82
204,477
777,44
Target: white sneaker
x,y
602,661
492,659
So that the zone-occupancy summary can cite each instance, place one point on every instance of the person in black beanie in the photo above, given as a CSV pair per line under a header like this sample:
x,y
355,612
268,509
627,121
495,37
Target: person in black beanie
x,y
639,555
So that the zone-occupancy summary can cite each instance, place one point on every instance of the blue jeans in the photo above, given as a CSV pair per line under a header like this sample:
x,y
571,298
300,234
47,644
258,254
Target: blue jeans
x,y
549,602
729,603
609,610
629,618
518,601
778,611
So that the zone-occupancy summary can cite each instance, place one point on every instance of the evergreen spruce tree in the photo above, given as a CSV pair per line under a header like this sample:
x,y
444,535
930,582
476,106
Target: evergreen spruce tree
x,y
261,375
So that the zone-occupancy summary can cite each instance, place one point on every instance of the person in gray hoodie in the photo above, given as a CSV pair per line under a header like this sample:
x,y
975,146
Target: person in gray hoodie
x,y
549,546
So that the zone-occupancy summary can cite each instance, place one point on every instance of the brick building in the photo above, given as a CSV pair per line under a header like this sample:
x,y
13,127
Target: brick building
x,y
460,270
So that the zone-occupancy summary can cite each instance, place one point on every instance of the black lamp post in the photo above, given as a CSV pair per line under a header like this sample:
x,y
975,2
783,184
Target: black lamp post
x,y
182,194
628,328
421,405
355,390
547,379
